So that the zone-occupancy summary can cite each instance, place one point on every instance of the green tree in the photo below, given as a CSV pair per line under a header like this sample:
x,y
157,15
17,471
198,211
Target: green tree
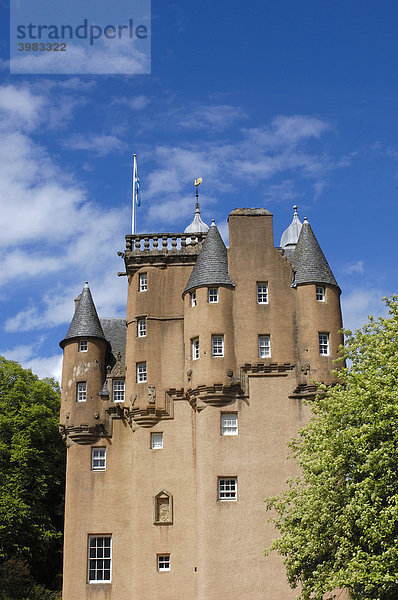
x,y
32,472
338,522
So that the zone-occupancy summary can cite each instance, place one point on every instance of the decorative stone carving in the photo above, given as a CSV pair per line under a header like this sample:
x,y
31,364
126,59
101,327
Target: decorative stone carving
x,y
163,508
189,374
151,394
118,369
133,399
305,368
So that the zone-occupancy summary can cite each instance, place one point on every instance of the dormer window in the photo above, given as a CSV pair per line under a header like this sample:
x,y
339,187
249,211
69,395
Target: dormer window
x,y
83,346
118,390
212,295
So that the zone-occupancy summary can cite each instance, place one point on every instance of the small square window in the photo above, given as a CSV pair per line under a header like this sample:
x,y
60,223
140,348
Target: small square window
x,y
143,282
264,346
195,349
141,327
81,395
229,424
320,293
83,346
98,459
262,293
192,297
323,339
141,372
163,562
99,558
213,295
217,345
118,390
227,488
156,441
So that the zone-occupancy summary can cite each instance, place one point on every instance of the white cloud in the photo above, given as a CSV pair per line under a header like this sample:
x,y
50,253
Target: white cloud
x,y
359,304
281,192
101,145
216,117
26,356
135,103
20,106
354,267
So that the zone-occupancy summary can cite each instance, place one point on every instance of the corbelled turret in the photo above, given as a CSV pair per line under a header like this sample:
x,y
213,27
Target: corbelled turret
x,y
211,267
85,322
309,262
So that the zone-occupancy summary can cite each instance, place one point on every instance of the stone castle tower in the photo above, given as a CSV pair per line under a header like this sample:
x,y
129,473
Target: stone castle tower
x,y
176,419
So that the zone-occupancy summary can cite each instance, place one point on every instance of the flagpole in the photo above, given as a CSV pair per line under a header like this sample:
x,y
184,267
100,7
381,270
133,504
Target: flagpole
x,y
134,192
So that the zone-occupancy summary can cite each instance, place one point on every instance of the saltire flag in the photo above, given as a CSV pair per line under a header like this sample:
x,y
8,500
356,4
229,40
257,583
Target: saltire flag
x,y
136,184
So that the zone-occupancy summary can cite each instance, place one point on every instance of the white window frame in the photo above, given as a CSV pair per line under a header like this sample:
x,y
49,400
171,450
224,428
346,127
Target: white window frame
x,y
227,489
142,374
143,282
212,295
83,346
217,345
141,327
119,388
320,293
97,555
81,391
264,346
157,440
262,292
195,349
324,344
98,458
163,562
193,299
229,424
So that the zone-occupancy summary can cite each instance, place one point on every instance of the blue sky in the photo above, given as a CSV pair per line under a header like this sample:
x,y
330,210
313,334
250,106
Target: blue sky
x,y
272,103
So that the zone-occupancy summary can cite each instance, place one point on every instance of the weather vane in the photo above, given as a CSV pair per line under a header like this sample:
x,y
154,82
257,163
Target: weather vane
x,y
197,183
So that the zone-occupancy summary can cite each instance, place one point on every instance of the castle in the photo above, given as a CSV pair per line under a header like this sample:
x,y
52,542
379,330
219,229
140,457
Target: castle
x,y
176,419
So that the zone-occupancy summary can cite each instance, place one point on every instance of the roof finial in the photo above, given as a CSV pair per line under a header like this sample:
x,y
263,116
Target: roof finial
x,y
197,225
295,209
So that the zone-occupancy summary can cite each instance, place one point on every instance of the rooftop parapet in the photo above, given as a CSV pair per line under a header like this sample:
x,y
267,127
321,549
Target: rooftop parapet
x,y
161,248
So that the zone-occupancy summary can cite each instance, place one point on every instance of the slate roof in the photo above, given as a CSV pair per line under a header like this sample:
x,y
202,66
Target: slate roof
x,y
211,267
115,332
309,262
85,322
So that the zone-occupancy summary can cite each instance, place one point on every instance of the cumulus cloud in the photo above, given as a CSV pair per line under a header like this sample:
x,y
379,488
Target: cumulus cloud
x,y
50,366
354,267
358,304
20,107
216,117
101,145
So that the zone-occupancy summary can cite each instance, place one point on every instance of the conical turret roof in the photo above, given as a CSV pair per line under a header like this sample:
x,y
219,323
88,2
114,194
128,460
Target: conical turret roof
x,y
291,235
211,267
85,322
309,262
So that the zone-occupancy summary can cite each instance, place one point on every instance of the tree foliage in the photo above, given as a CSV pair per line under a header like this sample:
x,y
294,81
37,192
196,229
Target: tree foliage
x,y
32,472
338,522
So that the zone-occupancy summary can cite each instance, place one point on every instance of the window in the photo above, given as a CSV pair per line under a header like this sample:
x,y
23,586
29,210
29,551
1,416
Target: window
x,y
194,348
83,346
217,345
192,297
229,424
141,372
141,327
163,508
156,441
264,346
118,390
99,558
323,339
143,282
81,392
227,488
98,459
262,293
163,562
320,293
212,295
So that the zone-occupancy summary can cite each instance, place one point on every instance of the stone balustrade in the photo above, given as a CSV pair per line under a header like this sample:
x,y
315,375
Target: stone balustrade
x,y
164,243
